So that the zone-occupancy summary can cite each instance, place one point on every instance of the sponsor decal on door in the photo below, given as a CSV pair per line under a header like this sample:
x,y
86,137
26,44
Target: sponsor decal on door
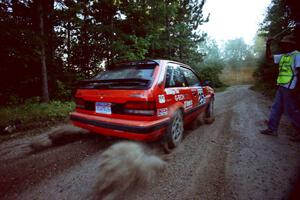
x,y
162,112
188,104
161,98
201,96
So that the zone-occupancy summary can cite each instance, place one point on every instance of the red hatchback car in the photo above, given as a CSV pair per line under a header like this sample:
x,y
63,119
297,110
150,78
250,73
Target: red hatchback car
x,y
143,100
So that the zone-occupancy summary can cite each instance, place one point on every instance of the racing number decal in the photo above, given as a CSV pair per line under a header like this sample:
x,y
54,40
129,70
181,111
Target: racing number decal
x,y
201,96
161,99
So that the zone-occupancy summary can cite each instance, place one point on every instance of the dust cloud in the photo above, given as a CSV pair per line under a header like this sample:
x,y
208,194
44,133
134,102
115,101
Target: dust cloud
x,y
124,166
57,136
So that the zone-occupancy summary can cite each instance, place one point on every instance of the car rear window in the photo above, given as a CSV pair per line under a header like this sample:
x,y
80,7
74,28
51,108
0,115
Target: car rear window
x,y
128,76
127,72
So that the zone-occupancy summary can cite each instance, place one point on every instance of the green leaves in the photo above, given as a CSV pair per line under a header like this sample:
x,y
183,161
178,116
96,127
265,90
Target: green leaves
x,y
82,37
278,18
131,48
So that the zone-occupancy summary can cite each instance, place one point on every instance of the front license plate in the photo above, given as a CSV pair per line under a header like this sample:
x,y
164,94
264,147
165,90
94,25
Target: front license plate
x,y
103,108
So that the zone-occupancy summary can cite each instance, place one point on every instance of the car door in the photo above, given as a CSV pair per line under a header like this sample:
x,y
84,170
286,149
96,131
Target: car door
x,y
176,87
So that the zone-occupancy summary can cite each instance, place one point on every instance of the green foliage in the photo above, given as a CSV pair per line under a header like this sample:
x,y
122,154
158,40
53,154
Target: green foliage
x,y
221,89
32,112
19,70
259,46
211,73
213,64
135,51
238,54
231,64
264,89
265,76
278,18
32,100
211,51
82,37
63,93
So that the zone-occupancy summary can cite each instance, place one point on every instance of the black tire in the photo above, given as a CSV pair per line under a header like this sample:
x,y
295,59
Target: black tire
x,y
209,113
174,134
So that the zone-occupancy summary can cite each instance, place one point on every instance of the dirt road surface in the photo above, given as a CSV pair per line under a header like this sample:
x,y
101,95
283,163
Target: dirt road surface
x,y
226,160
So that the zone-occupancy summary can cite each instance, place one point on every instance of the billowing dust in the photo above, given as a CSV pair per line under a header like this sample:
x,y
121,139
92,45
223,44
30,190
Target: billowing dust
x,y
58,136
124,166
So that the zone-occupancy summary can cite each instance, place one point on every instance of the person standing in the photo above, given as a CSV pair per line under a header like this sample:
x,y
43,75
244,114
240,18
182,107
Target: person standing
x,y
288,80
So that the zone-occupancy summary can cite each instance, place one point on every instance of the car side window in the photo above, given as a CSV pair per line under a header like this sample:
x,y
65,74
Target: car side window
x,y
175,77
191,78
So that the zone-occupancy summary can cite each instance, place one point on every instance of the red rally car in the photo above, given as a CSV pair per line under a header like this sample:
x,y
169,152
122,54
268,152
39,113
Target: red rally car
x,y
143,100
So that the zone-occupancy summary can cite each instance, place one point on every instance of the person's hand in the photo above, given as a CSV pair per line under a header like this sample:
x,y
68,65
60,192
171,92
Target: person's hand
x,y
269,41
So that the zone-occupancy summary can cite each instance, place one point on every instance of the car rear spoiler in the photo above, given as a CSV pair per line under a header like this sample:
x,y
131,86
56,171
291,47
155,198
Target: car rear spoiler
x,y
134,63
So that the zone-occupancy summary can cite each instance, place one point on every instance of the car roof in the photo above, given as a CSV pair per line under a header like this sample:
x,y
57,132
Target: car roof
x,y
176,62
152,61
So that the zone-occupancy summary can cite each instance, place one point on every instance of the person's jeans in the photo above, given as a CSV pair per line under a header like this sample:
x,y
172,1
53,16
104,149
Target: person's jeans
x,y
284,102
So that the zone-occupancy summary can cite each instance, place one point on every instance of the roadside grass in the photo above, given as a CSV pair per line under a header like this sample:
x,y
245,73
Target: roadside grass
x,y
239,76
35,113
221,89
266,89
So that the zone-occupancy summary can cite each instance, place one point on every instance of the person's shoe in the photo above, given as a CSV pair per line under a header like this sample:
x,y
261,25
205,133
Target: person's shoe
x,y
295,138
269,132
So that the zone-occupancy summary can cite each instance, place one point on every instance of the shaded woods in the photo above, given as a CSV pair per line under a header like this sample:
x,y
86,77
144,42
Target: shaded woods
x,y
47,45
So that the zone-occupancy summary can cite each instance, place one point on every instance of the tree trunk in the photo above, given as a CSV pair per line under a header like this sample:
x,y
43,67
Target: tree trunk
x,y
69,44
167,30
49,32
45,92
85,53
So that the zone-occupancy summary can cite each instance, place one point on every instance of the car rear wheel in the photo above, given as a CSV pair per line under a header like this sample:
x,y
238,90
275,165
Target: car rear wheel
x,y
209,113
174,132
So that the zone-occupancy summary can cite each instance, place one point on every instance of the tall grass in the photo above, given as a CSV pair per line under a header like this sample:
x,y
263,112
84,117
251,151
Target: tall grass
x,y
243,75
35,112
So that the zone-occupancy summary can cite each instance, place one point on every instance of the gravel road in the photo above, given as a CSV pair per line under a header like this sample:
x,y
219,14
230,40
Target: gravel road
x,y
228,159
